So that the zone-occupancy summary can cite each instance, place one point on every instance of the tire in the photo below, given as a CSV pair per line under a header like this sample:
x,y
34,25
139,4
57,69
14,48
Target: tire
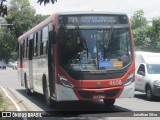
x,y
149,93
46,95
109,102
28,91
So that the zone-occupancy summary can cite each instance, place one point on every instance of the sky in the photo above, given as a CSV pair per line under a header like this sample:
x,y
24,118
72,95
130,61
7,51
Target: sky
x,y
151,8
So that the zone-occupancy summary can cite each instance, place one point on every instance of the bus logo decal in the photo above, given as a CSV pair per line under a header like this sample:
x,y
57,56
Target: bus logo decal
x,y
99,84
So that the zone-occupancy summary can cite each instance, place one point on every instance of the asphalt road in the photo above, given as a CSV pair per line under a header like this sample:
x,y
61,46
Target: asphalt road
x,y
90,110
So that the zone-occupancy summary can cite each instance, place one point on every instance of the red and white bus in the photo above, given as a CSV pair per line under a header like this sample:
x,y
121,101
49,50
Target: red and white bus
x,y
79,56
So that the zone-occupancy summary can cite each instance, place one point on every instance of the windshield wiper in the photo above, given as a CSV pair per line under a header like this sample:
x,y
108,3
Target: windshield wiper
x,y
107,41
82,39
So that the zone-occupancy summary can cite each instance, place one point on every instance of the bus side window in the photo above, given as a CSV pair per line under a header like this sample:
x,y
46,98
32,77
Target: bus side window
x,y
44,45
30,46
27,47
23,48
51,33
21,51
39,42
35,49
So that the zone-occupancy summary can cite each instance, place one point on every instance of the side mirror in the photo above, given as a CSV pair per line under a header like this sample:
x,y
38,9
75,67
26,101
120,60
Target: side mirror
x,y
141,73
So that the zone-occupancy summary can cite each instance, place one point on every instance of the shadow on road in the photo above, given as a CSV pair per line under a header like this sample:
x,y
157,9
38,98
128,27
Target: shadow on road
x,y
142,96
74,108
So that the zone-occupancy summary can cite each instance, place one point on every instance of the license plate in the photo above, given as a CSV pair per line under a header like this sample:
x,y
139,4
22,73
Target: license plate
x,y
98,96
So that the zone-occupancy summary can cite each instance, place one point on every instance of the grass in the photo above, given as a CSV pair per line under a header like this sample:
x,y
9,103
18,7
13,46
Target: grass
x,y
3,103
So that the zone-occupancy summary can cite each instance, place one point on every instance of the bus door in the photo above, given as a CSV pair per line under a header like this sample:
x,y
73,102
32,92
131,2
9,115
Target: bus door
x,y
20,63
51,61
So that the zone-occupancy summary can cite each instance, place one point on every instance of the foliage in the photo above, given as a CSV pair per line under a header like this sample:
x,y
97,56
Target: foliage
x,y
7,43
146,37
38,18
46,1
138,20
3,103
22,15
24,18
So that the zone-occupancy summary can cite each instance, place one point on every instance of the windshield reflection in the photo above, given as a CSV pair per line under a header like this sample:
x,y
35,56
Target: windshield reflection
x,y
95,49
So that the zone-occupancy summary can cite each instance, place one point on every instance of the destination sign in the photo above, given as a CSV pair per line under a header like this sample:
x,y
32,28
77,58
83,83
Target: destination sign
x,y
94,19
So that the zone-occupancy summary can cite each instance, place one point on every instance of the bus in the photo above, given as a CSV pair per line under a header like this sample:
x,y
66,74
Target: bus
x,y
74,56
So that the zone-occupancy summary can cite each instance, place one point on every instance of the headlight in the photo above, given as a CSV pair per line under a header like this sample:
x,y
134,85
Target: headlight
x,y
64,81
130,79
156,83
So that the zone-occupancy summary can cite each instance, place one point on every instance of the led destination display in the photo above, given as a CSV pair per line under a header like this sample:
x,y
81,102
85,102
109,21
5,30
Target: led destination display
x,y
93,19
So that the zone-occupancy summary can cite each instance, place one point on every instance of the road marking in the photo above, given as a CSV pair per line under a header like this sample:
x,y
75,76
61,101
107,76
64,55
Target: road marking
x,y
17,107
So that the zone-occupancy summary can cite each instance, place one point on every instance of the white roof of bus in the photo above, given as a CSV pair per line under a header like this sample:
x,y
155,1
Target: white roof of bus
x,y
90,12
149,57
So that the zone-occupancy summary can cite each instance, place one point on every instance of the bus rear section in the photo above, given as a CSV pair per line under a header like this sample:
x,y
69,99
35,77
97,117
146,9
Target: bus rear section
x,y
95,57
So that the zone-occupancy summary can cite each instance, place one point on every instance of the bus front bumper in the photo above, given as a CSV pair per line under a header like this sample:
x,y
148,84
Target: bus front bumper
x,y
69,94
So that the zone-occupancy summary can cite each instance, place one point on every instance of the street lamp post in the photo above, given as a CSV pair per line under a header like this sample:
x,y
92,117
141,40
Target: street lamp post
x,y
8,23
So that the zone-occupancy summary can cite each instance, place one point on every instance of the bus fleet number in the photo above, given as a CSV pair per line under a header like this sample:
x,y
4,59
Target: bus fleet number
x,y
115,82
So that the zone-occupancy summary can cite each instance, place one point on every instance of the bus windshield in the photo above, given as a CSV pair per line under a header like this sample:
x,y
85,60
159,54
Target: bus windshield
x,y
94,49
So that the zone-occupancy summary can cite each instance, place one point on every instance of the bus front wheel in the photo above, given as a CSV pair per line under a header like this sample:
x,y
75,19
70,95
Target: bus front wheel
x,y
109,102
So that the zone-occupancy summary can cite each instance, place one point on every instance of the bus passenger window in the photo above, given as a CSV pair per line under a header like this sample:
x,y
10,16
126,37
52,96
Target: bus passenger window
x,y
44,44
23,53
27,48
39,50
35,45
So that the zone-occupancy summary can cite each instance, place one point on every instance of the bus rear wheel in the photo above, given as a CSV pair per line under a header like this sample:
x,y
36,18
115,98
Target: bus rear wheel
x,y
28,91
47,98
109,102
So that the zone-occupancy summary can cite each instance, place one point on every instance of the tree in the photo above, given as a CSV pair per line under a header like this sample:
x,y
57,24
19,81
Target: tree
x,y
140,28
23,18
138,20
7,43
156,33
38,18
141,38
22,14
146,37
